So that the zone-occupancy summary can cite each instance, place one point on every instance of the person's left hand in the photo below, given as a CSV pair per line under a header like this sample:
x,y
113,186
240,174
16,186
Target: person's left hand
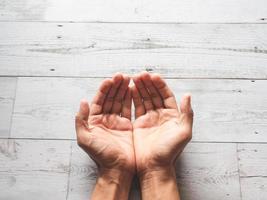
x,y
162,128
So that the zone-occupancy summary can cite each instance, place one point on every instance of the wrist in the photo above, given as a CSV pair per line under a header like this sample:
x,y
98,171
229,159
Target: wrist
x,y
160,174
115,175
159,183
112,184
143,171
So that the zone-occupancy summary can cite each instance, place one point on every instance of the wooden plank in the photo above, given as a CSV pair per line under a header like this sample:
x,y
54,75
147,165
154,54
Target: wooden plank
x,y
253,170
254,188
202,168
135,11
45,108
7,97
32,169
252,159
206,167
225,110
99,50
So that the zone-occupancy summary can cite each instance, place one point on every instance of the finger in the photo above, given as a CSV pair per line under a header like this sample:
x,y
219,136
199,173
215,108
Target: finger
x,y
81,118
118,99
143,92
127,104
98,101
154,95
138,103
117,79
164,91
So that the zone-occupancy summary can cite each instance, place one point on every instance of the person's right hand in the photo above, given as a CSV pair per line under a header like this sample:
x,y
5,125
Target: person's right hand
x,y
161,129
105,130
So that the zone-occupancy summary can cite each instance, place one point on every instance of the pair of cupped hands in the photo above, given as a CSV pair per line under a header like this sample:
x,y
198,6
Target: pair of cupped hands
x,y
151,143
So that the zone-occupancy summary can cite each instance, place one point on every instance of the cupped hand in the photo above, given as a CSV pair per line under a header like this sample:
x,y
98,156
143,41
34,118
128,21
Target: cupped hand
x,y
161,129
104,130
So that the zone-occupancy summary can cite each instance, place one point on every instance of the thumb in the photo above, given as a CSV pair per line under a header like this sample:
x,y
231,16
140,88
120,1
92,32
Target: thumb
x,y
81,118
185,108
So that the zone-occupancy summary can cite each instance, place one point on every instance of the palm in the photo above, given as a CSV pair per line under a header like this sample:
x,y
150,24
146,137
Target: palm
x,y
160,131
106,135
112,140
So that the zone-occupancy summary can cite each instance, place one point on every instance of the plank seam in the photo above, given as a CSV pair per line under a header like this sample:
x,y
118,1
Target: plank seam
x,y
13,107
68,184
69,139
238,167
132,22
165,77
258,176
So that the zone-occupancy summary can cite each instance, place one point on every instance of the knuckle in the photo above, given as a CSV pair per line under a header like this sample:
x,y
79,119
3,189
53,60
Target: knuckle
x,y
186,135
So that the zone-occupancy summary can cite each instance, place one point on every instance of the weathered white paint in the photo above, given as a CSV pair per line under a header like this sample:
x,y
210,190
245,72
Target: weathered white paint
x,y
135,11
208,171
33,169
252,159
7,97
254,188
99,50
253,170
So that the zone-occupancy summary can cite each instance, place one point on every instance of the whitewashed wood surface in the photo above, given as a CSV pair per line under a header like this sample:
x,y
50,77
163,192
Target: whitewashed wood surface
x,y
34,169
101,49
53,53
7,98
253,170
135,11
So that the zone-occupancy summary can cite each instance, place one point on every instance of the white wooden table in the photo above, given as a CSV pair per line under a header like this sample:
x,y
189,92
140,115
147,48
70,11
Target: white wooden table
x,y
53,53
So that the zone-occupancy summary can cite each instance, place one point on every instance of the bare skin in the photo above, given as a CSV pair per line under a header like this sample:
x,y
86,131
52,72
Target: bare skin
x,y
161,131
149,146
104,131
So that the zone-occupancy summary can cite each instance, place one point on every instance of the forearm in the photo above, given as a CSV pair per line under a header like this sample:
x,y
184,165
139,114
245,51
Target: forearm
x,y
159,184
112,184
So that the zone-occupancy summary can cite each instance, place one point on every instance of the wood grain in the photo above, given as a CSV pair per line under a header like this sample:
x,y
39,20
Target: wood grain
x,y
225,110
254,188
33,169
134,11
252,160
45,108
7,98
101,49
253,170
201,169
